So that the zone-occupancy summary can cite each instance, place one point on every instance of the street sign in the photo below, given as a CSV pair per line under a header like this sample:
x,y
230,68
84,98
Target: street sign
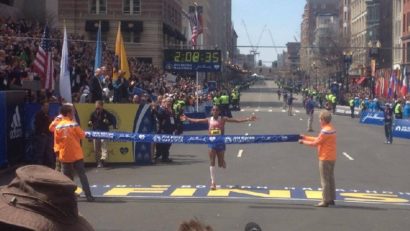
x,y
192,60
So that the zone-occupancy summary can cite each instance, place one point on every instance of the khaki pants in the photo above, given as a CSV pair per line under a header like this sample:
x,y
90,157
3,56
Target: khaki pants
x,y
327,180
310,121
100,149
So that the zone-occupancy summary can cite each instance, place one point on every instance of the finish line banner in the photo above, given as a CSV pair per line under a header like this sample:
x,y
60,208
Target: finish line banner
x,y
200,139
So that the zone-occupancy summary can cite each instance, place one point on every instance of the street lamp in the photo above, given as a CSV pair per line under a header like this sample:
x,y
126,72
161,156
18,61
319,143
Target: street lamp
x,y
315,67
374,52
347,61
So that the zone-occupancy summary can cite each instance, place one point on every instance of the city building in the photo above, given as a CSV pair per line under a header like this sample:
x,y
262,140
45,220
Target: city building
x,y
406,33
328,47
344,19
148,26
397,44
312,9
371,26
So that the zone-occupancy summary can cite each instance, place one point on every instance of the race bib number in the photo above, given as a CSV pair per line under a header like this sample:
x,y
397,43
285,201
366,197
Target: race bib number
x,y
215,132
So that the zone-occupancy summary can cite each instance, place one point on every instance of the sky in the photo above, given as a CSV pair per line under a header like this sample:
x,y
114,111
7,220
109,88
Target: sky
x,y
281,17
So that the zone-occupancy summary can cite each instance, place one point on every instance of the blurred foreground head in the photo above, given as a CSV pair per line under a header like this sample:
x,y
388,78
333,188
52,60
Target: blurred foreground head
x,y
39,198
194,225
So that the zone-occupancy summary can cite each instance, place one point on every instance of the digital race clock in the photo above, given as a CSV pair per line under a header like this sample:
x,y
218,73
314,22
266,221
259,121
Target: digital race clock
x,y
192,60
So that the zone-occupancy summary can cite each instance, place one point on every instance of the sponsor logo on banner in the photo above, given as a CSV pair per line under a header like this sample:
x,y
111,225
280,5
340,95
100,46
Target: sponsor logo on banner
x,y
141,137
376,118
228,140
168,139
16,130
372,116
402,128
197,139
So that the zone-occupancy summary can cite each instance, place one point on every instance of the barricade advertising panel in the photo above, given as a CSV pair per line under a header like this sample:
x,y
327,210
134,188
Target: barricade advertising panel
x,y
345,110
118,152
144,123
30,111
401,128
3,143
14,126
375,118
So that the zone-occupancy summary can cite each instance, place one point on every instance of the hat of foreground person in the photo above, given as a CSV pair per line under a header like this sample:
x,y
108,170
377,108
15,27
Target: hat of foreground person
x,y
252,226
39,198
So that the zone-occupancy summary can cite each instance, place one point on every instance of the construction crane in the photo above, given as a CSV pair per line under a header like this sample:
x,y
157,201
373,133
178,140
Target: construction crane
x,y
254,48
273,42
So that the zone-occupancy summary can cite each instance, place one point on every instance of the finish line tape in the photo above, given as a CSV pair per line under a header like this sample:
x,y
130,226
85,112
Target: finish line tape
x,y
190,139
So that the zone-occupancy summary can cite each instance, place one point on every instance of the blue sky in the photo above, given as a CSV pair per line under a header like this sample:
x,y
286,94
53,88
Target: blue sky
x,y
282,18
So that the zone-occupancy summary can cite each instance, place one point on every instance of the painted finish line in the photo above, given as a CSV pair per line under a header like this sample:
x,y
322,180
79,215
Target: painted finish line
x,y
246,192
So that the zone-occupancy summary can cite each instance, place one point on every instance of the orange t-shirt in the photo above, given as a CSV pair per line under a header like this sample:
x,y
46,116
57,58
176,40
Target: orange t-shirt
x,y
68,135
325,142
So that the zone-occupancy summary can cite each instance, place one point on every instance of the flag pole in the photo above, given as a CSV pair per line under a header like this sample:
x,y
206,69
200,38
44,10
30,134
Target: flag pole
x,y
197,73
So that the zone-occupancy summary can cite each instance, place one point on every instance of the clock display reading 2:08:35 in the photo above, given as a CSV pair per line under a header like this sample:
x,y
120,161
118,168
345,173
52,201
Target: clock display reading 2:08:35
x,y
196,56
192,60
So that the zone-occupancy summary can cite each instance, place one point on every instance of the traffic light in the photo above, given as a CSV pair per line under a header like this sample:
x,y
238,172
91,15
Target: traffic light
x,y
260,63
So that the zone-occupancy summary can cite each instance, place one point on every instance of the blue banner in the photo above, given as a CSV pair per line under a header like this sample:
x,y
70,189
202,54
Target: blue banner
x,y
143,123
401,128
3,137
199,139
375,118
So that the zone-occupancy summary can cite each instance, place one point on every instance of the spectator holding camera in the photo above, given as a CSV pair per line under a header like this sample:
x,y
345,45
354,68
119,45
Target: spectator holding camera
x,y
101,120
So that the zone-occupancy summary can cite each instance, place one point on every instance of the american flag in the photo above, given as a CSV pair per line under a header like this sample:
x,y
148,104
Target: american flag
x,y
43,64
195,20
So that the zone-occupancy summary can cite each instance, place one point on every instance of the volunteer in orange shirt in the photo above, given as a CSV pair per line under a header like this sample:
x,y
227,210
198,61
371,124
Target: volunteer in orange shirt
x,y
56,148
326,146
67,136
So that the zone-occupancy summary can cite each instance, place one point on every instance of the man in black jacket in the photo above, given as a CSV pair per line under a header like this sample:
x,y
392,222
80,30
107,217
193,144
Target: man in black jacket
x,y
96,88
166,125
43,139
101,120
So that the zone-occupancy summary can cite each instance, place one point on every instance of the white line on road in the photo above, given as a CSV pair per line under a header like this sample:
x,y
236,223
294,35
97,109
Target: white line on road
x,y
283,110
240,153
270,110
242,109
347,156
297,111
246,134
256,110
300,119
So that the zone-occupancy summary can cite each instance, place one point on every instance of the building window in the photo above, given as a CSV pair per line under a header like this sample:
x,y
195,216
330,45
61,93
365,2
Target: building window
x,y
131,6
98,6
408,53
93,36
131,37
407,23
